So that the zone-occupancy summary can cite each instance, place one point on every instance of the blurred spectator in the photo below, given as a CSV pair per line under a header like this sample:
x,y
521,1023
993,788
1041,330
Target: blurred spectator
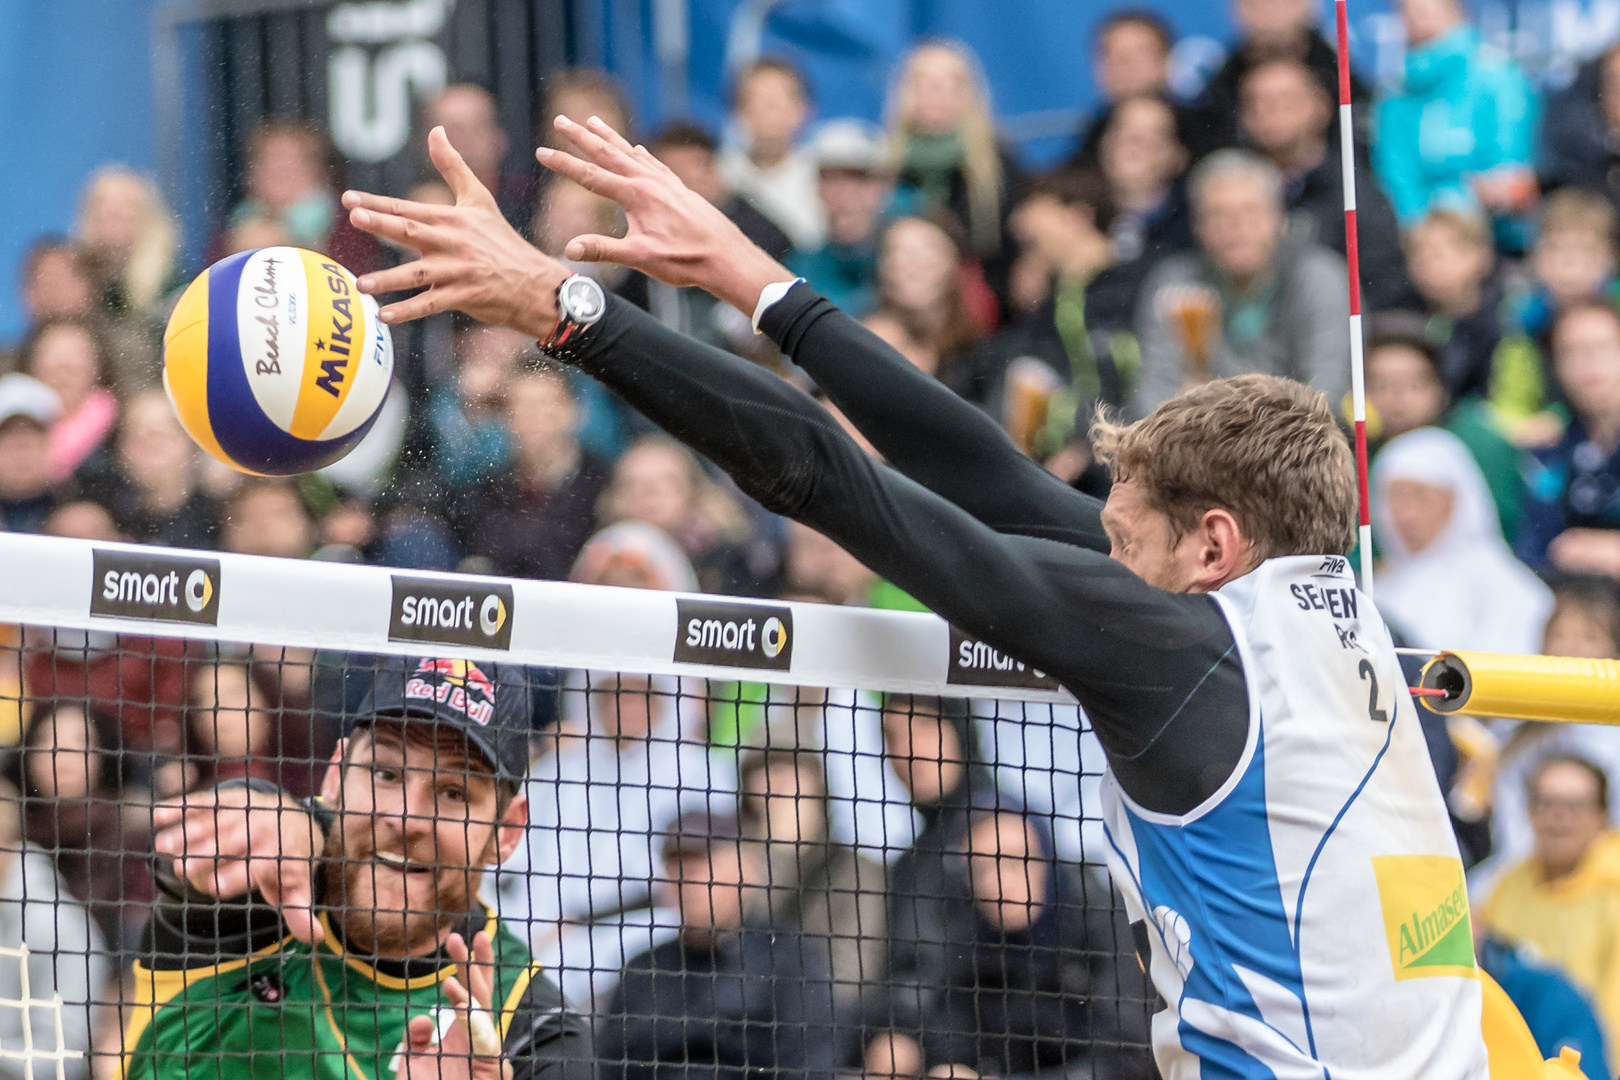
x,y
1581,130
1585,623
28,408
68,356
230,726
1031,974
929,745
67,957
827,892
623,767
467,417
532,516
153,490
1554,1008
921,308
1406,390
1142,159
567,210
946,150
1564,900
661,483
1256,297
470,117
1438,531
69,772
1573,258
770,101
1572,516
1130,57
816,566
287,182
1454,269
132,245
691,155
254,232
1082,331
1460,132
1270,30
57,282
265,516
1287,116
727,997
131,240
854,185
579,94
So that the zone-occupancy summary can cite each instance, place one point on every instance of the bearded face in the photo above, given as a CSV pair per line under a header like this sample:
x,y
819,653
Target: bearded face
x,y
418,820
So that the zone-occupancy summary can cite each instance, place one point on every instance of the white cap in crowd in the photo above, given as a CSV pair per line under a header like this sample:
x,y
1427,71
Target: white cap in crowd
x,y
24,395
849,144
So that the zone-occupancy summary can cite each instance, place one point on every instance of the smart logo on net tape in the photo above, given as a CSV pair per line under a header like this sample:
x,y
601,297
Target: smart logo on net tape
x,y
275,362
167,588
441,612
734,635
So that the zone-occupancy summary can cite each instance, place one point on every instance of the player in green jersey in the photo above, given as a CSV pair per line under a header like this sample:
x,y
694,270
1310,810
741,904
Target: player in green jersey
x,y
342,939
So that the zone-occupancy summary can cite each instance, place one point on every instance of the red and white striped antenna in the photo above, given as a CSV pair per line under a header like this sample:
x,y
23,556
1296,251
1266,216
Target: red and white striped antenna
x,y
1358,382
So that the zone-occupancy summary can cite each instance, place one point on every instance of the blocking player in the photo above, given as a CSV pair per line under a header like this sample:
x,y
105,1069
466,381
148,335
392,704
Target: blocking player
x,y
342,940
1272,815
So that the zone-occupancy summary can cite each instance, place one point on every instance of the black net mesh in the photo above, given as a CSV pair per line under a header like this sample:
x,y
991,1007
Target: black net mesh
x,y
647,875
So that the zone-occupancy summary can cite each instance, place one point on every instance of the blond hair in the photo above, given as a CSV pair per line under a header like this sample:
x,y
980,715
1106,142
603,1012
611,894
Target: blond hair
x,y
981,165
151,258
1574,210
1262,447
1469,226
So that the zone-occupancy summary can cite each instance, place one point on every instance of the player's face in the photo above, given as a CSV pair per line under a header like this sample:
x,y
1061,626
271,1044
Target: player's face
x,y
416,825
1141,537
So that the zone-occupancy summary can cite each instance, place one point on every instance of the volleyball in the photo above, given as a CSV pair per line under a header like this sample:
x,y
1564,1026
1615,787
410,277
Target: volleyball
x,y
275,361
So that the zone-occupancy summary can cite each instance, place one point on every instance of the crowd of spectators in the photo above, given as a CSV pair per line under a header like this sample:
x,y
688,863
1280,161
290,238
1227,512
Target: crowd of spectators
x,y
919,878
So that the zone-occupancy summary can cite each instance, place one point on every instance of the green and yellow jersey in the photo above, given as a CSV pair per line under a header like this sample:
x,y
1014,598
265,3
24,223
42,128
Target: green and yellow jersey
x,y
280,1009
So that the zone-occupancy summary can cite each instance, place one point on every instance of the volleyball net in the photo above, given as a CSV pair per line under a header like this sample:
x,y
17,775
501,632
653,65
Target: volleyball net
x,y
759,835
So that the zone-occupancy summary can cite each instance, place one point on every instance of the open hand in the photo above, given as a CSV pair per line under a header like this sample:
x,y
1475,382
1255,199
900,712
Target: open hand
x,y
472,259
674,234
470,1049
236,841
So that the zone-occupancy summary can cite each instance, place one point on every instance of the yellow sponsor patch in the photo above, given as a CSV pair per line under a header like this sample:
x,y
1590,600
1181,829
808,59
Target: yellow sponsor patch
x,y
1425,903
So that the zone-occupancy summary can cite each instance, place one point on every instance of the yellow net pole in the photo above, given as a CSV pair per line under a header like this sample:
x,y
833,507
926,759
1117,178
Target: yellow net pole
x,y
1553,688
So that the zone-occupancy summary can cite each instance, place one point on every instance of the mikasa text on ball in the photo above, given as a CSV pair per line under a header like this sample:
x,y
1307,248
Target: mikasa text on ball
x,y
275,361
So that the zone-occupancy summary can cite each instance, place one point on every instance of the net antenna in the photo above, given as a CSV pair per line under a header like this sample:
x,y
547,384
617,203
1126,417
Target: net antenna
x,y
25,1002
1352,258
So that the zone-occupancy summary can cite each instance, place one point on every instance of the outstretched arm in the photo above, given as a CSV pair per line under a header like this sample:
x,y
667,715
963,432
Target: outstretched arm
x,y
918,425
1157,671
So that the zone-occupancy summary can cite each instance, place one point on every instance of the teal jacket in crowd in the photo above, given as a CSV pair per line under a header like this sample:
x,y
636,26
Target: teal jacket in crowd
x,y
1463,109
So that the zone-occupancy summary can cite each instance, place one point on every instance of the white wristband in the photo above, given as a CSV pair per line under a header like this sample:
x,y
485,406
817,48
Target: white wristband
x,y
769,295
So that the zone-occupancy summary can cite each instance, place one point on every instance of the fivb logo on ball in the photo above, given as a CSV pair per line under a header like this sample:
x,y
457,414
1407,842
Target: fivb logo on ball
x,y
734,635
451,613
167,588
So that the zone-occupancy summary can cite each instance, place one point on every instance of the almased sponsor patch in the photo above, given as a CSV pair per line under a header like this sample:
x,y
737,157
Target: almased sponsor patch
x,y
168,588
734,635
1425,902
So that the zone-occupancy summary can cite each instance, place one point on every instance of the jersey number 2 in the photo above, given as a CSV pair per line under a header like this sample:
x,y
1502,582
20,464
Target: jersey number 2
x,y
1378,716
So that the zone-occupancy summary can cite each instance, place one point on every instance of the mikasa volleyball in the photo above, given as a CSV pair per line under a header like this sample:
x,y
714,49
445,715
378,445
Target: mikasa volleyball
x,y
275,361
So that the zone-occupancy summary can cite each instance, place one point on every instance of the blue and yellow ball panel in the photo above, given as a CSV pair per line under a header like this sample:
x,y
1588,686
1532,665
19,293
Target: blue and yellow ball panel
x,y
275,362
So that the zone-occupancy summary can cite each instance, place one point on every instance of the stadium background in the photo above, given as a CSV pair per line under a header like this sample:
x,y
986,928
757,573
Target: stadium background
x,y
94,64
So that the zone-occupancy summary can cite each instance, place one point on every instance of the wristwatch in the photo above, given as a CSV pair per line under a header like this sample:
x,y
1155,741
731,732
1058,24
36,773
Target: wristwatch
x,y
580,303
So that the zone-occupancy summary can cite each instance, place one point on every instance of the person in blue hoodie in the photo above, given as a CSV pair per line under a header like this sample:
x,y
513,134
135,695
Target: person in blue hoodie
x,y
1461,132
1556,1012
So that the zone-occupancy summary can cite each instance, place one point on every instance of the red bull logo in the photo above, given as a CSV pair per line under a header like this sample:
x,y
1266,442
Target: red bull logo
x,y
457,683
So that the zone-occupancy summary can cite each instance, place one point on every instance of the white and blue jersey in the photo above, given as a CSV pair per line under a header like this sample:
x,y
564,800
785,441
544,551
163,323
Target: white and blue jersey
x,y
1310,918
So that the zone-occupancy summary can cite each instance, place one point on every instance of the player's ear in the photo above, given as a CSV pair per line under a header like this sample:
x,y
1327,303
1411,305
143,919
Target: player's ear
x,y
333,780
1224,549
513,823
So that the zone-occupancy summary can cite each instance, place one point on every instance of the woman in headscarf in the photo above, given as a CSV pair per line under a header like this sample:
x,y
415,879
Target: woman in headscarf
x,y
628,760
1448,579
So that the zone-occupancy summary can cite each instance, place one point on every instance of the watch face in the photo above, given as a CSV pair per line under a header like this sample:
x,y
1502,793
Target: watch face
x,y
582,300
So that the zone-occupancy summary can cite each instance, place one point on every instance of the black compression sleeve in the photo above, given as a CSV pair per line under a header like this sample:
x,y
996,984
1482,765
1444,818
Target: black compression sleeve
x,y
924,430
1157,672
